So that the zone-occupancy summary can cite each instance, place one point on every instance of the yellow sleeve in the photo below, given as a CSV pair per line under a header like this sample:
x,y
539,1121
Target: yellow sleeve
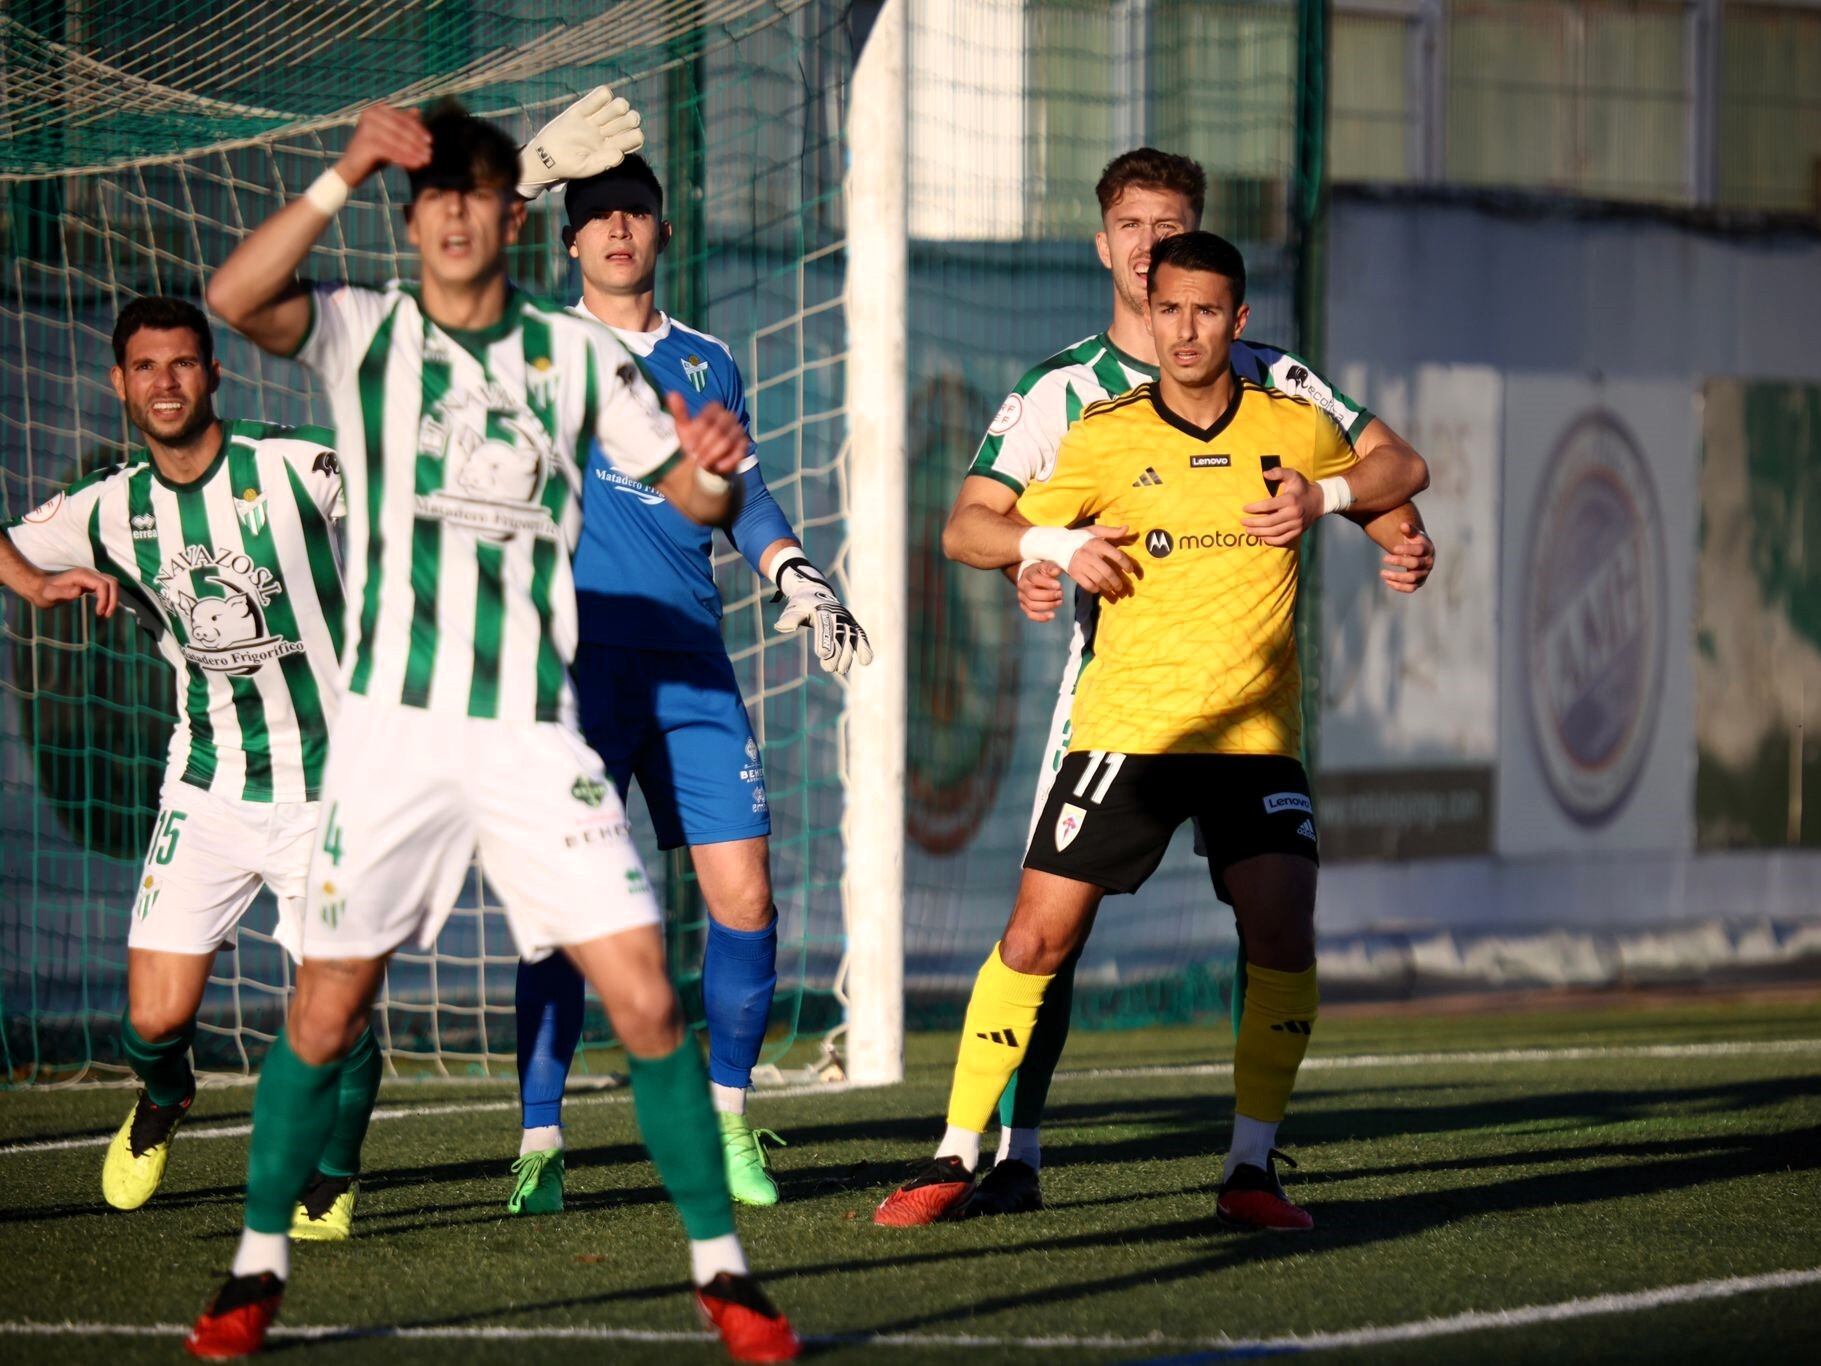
x,y
1334,454
1073,491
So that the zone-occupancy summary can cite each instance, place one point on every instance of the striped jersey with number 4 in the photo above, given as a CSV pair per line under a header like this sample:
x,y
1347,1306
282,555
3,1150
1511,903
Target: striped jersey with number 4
x,y
465,453
236,574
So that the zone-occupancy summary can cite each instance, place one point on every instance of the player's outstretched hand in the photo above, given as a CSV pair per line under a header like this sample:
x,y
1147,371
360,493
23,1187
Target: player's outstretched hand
x,y
836,636
384,137
594,134
1040,591
1409,564
53,590
1102,567
713,438
1295,508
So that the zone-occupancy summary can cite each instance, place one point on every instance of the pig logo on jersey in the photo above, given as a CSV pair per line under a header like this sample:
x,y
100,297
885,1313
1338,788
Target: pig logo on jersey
x,y
696,369
496,460
219,598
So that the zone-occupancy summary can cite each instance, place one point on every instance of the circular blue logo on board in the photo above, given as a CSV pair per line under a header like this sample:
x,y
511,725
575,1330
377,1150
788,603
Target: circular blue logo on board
x,y
1594,630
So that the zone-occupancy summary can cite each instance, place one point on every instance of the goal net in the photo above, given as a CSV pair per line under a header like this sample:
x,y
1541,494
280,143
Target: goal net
x,y
140,141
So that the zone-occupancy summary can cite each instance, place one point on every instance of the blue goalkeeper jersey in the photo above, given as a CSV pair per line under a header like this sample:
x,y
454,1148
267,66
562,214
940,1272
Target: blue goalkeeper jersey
x,y
644,573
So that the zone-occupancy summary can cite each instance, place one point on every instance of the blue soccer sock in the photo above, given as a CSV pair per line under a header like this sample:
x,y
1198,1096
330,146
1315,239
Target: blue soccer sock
x,y
739,975
549,1002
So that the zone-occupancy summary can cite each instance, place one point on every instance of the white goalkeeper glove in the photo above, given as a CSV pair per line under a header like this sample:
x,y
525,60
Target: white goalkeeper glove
x,y
839,640
594,134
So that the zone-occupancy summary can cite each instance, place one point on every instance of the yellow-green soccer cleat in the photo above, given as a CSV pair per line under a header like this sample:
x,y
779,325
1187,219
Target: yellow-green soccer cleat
x,y
326,1212
747,1178
537,1183
135,1159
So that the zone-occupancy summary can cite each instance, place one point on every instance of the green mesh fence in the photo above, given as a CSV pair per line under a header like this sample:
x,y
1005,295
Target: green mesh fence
x,y
141,139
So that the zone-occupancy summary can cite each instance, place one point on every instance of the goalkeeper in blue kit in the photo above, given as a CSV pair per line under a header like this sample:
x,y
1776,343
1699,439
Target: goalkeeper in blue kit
x,y
658,697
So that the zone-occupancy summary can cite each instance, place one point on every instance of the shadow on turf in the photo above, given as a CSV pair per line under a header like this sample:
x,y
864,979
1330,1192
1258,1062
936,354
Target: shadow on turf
x,y
1344,1225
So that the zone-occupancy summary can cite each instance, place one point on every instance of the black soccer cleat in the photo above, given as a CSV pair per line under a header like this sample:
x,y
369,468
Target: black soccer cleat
x,y
1009,1188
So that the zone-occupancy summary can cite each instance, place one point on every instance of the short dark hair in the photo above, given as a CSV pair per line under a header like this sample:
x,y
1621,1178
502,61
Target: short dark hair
x,y
162,314
1199,251
607,190
465,152
1149,169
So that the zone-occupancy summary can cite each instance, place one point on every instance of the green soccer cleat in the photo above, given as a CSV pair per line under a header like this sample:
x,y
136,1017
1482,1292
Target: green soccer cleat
x,y
135,1159
539,1183
747,1178
326,1212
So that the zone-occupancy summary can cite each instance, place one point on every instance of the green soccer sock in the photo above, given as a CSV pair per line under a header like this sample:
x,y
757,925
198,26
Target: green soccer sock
x,y
358,1090
294,1108
670,1099
164,1067
1021,1106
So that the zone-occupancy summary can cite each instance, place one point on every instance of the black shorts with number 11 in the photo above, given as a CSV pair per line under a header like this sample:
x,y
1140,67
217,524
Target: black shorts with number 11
x,y
1109,817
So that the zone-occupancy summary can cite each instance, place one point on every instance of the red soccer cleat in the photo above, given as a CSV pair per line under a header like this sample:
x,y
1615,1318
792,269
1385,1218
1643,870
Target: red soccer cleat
x,y
750,1326
235,1323
940,1191
1254,1198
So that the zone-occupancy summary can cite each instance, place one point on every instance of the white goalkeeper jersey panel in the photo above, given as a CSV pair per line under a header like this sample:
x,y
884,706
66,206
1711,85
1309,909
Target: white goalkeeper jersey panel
x,y
1021,443
237,576
465,455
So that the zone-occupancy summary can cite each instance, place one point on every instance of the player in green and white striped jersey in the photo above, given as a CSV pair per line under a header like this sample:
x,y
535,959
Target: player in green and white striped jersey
x,y
466,411
218,537
1145,195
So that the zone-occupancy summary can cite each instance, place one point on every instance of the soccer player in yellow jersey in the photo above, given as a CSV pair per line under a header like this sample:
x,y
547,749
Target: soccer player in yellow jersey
x,y
1200,485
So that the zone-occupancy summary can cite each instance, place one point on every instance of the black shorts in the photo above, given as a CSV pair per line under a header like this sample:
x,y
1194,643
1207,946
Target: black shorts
x,y
1109,817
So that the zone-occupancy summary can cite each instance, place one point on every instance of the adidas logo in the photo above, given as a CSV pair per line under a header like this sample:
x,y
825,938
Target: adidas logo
x,y
1292,1027
145,526
1006,1037
1306,830
1149,479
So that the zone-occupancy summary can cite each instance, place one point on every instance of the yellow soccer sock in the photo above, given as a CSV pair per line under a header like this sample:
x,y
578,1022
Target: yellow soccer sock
x,y
1000,1016
1273,1036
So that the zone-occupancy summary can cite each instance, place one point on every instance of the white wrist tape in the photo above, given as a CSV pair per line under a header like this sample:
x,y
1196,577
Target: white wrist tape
x,y
327,193
710,482
1052,544
1336,494
791,554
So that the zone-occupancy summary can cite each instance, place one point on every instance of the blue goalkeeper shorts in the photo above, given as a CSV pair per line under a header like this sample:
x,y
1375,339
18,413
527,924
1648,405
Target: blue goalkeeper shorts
x,y
674,721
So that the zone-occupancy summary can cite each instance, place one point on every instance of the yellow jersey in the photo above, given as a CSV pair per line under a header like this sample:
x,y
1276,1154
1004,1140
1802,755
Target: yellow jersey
x,y
1201,659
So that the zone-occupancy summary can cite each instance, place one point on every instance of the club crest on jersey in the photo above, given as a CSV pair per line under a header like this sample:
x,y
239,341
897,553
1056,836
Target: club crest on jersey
x,y
250,507
1068,825
496,459
696,370
220,598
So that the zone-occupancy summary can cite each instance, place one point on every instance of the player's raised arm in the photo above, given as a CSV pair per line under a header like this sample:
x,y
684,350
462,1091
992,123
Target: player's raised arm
x,y
256,290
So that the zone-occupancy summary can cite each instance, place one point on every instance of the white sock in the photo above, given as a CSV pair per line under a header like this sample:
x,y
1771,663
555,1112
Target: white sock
x,y
961,1143
1021,1145
710,1257
540,1139
1253,1140
728,1100
263,1252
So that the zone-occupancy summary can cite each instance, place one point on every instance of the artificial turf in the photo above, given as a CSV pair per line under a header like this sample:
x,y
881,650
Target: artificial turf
x,y
1673,1145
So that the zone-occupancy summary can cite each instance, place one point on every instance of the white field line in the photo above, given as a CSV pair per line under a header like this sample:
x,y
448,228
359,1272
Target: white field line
x,y
1341,1063
1416,1330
